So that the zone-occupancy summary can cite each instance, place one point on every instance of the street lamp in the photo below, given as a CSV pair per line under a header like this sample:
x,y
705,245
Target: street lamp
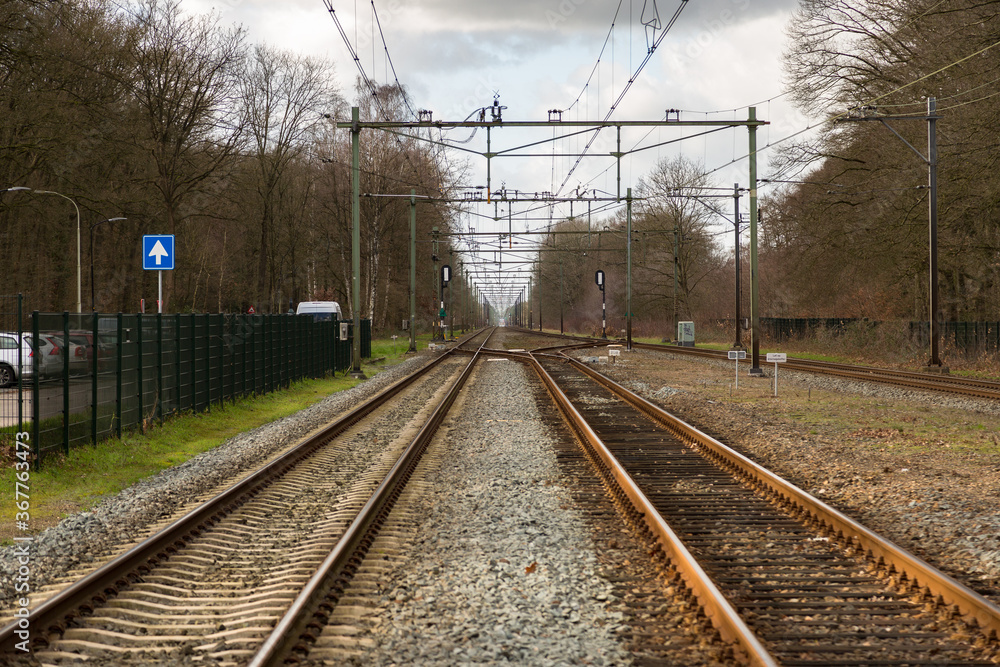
x,y
79,273
92,309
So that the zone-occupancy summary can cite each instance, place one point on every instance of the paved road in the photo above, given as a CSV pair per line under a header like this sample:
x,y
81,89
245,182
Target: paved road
x,y
51,398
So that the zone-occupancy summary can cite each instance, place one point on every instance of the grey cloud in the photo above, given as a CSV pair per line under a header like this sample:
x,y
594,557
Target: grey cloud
x,y
574,16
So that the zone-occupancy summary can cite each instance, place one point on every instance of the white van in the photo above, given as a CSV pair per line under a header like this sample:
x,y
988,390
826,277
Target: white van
x,y
321,311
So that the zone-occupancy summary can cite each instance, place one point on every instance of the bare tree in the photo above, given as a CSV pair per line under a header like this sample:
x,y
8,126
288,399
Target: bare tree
x,y
284,98
184,86
859,217
672,230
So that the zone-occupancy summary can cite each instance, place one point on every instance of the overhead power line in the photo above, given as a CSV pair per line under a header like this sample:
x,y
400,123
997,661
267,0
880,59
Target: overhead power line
x,y
607,39
628,86
392,67
871,102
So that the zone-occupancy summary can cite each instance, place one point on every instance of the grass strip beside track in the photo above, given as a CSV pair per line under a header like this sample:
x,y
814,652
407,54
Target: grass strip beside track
x,y
75,483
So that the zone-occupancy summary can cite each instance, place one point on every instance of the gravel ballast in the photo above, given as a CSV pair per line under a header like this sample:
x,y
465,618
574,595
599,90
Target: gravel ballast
x,y
506,570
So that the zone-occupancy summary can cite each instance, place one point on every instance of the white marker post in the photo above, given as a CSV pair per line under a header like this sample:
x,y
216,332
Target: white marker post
x,y
736,355
776,358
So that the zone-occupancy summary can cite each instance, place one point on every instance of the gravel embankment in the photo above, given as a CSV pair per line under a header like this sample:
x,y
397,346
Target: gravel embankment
x,y
922,469
506,569
88,536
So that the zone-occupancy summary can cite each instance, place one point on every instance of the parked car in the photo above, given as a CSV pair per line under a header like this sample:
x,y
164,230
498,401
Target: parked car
x,y
102,353
13,370
55,347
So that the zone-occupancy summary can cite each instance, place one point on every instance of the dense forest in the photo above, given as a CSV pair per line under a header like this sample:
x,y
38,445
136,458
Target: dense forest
x,y
180,126
177,124
852,237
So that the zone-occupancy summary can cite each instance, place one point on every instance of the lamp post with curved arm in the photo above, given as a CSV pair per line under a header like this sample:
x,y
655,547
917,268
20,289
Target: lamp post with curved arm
x,y
79,272
96,224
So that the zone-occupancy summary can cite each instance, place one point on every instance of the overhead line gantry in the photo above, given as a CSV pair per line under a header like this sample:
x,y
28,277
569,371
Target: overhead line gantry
x,y
410,130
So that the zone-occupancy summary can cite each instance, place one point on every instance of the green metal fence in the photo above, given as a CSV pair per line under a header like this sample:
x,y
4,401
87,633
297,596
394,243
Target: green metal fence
x,y
16,370
98,375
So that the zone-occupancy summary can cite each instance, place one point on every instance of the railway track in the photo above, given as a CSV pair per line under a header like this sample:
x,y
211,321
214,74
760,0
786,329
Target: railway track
x,y
946,383
784,578
213,583
280,570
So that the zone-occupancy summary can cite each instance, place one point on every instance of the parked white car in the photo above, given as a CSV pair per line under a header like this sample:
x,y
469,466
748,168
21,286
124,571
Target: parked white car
x,y
13,370
54,348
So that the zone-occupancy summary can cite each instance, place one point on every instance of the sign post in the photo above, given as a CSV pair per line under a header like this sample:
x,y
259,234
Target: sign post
x,y
158,255
776,358
736,355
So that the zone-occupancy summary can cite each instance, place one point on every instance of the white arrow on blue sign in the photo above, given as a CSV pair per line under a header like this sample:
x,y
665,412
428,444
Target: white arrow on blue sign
x,y
158,252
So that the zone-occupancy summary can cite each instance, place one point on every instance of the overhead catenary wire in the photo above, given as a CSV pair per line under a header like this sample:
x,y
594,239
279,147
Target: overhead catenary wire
x,y
625,89
595,69
392,66
834,117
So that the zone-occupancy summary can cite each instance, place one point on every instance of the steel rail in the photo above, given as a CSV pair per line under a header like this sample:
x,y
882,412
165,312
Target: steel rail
x,y
54,614
912,379
723,616
988,389
305,613
916,572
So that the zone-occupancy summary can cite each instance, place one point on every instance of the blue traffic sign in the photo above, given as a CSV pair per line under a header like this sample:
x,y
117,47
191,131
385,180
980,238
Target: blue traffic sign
x,y
158,252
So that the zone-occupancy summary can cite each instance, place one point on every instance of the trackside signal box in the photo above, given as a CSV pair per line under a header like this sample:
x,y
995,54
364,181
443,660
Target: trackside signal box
x,y
685,334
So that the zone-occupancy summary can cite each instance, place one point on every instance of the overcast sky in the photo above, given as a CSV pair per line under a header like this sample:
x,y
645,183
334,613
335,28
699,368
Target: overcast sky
x,y
453,55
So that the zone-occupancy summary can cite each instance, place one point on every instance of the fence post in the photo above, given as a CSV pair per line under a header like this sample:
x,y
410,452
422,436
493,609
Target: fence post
x,y
232,356
35,403
65,381
93,377
192,365
22,362
208,362
246,325
253,354
142,394
282,356
159,367
119,344
220,326
177,361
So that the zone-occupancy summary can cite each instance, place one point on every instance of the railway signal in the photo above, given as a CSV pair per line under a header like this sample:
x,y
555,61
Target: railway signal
x,y
599,279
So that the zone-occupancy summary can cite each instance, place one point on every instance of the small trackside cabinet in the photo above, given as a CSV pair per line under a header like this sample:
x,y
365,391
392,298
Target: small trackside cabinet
x,y
685,334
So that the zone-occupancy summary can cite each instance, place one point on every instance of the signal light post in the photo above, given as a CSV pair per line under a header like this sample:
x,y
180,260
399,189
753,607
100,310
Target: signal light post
x,y
445,279
599,279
